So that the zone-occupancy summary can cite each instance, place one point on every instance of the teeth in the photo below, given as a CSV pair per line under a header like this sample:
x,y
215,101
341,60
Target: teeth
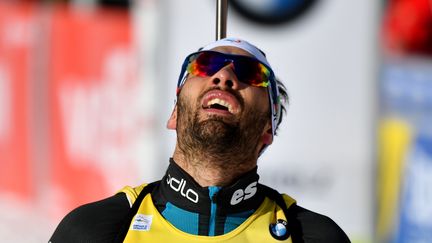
x,y
222,103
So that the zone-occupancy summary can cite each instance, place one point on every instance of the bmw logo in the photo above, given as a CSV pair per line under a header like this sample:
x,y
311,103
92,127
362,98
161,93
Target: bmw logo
x,y
279,230
272,11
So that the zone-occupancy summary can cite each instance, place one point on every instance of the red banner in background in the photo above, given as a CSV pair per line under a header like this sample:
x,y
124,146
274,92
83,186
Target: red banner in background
x,y
16,43
93,97
71,107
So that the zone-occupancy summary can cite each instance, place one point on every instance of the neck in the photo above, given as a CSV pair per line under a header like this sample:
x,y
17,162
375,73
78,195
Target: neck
x,y
209,170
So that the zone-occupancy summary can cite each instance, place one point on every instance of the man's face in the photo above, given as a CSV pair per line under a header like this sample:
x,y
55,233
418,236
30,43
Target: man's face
x,y
221,114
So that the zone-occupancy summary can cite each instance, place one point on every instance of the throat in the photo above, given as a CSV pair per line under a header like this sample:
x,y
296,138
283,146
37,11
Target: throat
x,y
211,169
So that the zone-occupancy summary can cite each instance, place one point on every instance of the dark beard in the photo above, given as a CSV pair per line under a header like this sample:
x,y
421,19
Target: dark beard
x,y
226,144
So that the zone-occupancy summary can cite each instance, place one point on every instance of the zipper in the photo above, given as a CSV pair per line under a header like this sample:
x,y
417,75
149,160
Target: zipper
x,y
213,190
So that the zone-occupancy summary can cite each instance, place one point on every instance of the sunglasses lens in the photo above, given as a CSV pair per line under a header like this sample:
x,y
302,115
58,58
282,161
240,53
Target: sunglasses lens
x,y
247,70
204,64
252,72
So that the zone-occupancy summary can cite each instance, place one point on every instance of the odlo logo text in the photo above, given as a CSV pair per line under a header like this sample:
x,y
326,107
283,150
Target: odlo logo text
x,y
240,194
179,186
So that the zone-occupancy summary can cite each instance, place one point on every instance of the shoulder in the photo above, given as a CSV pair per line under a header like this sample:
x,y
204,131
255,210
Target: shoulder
x,y
94,222
133,192
317,227
306,225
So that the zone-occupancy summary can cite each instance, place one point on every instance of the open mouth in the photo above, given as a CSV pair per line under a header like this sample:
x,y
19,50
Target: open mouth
x,y
219,104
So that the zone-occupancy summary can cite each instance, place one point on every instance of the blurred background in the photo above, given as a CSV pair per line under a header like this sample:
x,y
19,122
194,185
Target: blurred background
x,y
86,87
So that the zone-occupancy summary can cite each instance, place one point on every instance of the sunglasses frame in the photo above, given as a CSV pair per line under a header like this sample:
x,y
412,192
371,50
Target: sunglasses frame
x,y
275,103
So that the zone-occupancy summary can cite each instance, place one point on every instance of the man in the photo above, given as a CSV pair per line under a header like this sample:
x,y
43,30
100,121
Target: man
x,y
229,105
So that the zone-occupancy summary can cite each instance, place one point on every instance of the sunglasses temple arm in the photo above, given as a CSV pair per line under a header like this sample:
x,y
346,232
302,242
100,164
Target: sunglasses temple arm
x,y
275,106
182,76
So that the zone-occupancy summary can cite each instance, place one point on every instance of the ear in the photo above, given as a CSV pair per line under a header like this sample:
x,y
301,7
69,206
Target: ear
x,y
267,136
172,121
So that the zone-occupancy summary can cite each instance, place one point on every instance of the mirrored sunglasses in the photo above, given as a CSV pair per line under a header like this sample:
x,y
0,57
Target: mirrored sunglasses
x,y
248,70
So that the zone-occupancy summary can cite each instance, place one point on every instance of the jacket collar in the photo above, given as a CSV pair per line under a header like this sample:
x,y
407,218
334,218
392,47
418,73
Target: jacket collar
x,y
180,189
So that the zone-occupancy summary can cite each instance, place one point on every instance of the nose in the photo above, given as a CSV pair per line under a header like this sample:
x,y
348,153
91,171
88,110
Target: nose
x,y
226,77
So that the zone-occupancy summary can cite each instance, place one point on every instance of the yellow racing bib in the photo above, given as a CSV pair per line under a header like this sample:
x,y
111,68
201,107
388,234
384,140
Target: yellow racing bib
x,y
266,224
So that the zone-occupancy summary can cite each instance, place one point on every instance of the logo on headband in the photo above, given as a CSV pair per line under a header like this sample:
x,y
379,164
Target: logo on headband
x,y
234,40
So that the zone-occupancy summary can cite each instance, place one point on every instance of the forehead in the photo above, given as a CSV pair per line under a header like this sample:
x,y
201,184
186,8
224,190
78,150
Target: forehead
x,y
232,50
